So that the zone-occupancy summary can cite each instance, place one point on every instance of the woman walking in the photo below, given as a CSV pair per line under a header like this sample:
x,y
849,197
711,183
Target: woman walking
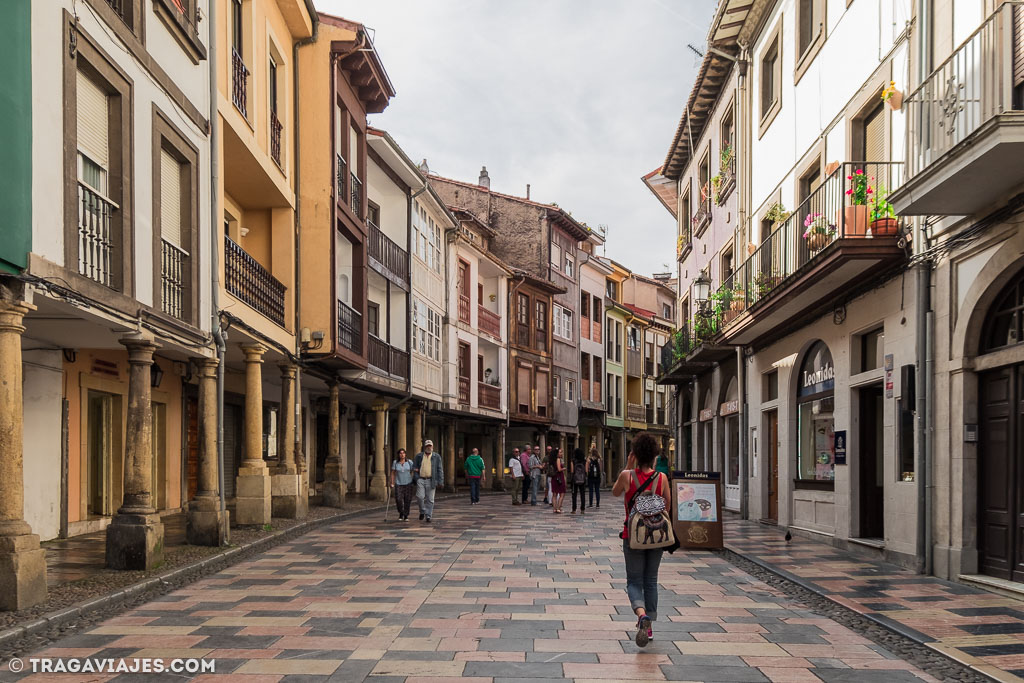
x,y
579,480
595,471
401,481
556,475
661,465
641,565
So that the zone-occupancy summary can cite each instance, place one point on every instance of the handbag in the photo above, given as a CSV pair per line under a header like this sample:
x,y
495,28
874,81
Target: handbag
x,y
649,524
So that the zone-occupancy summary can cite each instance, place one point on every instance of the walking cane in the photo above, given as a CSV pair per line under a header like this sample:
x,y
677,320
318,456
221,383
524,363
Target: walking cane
x,y
388,505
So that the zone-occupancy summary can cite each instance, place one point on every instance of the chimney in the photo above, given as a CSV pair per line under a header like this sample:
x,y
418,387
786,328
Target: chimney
x,y
527,190
484,180
424,169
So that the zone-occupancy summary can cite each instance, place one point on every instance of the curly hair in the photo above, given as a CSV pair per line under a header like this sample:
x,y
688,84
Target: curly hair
x,y
646,449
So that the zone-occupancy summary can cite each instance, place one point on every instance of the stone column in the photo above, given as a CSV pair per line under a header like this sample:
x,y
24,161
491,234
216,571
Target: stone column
x,y
417,431
378,483
449,456
22,561
498,482
135,537
287,497
252,490
207,524
401,430
334,471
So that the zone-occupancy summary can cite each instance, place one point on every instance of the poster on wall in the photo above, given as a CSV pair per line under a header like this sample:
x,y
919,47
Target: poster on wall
x,y
697,509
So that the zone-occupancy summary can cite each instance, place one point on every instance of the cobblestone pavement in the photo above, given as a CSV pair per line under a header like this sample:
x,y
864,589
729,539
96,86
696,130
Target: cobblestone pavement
x,y
491,593
972,626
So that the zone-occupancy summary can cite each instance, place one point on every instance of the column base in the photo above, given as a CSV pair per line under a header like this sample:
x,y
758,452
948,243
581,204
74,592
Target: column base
x,y
288,497
252,496
335,486
206,524
497,484
378,487
135,541
22,572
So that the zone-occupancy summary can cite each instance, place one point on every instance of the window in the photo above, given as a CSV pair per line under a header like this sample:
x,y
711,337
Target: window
x,y
609,339
810,26
872,133
611,290
597,309
584,305
373,319
618,396
610,401
618,342
584,366
523,389
685,224
272,91
872,349
727,264
1004,322
570,265
562,322
570,390
704,179
556,256
373,213
556,385
770,386
666,311
815,420
771,79
633,338
523,309
427,236
236,26
426,330
728,129
541,387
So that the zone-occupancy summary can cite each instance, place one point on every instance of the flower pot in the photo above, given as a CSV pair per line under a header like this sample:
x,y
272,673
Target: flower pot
x,y
885,226
855,222
817,241
896,100
736,305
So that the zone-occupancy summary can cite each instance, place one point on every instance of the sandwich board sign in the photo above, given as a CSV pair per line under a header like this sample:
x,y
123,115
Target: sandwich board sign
x,y
697,509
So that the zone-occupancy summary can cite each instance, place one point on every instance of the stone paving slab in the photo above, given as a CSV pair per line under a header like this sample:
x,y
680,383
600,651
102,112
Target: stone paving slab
x,y
975,627
486,594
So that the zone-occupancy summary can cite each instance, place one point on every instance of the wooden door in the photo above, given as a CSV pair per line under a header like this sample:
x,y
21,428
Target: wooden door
x,y
871,456
192,465
771,443
999,505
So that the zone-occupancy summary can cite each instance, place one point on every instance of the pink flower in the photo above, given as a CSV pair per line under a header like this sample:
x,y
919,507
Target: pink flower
x,y
850,191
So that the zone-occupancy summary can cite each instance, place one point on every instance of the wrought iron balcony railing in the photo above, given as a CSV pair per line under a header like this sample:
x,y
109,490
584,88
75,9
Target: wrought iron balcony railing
x,y
95,247
342,175
350,328
253,284
385,251
239,83
173,279
275,138
356,195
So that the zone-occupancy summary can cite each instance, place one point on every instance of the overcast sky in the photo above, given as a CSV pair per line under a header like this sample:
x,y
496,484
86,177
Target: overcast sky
x,y
578,98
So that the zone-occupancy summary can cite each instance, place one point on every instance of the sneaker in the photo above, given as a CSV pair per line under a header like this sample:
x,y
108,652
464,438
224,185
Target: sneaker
x,y
643,631
422,516
428,520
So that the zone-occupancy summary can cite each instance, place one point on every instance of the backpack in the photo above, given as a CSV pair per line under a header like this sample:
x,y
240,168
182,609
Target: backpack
x,y
648,523
579,475
595,471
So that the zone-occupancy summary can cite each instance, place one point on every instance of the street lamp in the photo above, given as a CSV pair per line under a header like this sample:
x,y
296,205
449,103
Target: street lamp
x,y
701,290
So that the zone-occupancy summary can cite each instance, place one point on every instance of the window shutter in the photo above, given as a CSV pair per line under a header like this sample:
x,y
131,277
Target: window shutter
x,y
874,136
170,199
93,121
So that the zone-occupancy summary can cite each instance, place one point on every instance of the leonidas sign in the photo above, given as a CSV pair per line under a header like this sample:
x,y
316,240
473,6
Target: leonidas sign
x,y
819,375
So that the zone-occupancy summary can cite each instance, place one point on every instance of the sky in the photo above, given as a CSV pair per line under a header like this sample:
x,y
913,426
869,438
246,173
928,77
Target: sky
x,y
578,98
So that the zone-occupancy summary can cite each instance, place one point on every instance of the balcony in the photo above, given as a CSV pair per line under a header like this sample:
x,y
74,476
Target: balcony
x,y
387,257
356,195
275,138
488,322
635,412
679,362
387,358
350,328
95,246
173,279
251,283
965,124
702,219
830,247
340,178
634,362
239,83
464,383
489,396
464,308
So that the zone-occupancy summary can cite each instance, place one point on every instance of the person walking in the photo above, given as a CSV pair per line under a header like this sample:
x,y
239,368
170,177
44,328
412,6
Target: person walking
x,y
556,479
401,482
429,475
515,466
547,457
595,472
524,459
641,565
579,480
475,475
536,472
661,465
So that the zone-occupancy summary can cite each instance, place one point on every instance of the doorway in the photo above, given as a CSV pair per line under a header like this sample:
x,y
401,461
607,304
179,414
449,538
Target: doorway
x,y
771,445
192,447
1000,472
871,466
100,450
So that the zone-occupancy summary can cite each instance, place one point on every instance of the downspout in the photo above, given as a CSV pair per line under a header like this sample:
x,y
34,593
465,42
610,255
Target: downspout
x,y
741,381
219,335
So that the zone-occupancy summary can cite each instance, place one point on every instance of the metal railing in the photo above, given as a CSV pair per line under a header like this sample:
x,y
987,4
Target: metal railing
x,y
464,391
173,279
388,253
488,322
342,174
634,362
464,308
967,90
275,138
378,354
350,328
850,204
488,396
253,284
95,246
356,195
239,83
636,412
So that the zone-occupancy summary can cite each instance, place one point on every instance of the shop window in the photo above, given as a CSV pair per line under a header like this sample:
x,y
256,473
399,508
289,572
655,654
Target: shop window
x,y
1004,323
815,417
872,348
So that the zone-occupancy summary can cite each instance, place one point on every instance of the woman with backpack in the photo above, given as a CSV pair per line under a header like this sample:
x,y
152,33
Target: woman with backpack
x,y
595,472
556,475
579,481
642,484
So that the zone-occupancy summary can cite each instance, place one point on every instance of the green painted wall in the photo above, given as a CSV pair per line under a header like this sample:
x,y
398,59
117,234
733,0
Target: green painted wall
x,y
16,134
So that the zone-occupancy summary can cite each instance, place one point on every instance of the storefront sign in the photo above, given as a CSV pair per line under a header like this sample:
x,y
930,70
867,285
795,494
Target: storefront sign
x,y
729,407
707,414
697,509
888,375
840,447
821,378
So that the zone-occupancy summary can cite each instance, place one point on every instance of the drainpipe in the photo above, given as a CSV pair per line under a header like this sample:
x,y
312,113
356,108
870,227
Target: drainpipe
x,y
219,334
741,394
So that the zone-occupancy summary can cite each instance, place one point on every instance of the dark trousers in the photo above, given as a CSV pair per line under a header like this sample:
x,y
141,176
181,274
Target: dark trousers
x,y
403,498
474,489
526,487
582,489
594,486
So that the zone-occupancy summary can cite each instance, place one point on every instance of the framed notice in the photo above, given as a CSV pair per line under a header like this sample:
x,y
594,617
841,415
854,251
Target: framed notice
x,y
697,509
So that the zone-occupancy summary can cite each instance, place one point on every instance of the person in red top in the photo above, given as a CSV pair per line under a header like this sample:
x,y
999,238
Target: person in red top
x,y
642,565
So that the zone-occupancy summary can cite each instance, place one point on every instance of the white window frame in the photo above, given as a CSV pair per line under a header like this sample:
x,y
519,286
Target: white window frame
x,y
570,265
556,383
556,256
570,390
426,330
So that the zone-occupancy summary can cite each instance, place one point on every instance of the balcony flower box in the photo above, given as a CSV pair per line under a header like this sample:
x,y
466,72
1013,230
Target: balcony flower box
x,y
818,233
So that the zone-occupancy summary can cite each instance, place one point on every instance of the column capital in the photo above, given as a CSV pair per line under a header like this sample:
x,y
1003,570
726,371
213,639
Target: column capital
x,y
288,369
402,409
141,348
12,313
380,406
253,352
208,367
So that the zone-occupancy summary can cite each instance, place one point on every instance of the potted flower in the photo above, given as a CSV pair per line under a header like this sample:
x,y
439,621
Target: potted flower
x,y
776,214
892,96
738,302
818,232
681,242
856,214
883,216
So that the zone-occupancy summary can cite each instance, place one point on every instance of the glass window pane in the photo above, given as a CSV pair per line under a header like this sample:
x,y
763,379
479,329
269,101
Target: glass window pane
x,y
816,443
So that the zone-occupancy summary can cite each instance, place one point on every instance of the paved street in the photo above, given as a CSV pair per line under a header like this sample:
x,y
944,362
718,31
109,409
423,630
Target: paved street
x,y
491,593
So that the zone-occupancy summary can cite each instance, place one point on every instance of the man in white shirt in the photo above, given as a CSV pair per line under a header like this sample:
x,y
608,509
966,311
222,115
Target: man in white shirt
x,y
516,467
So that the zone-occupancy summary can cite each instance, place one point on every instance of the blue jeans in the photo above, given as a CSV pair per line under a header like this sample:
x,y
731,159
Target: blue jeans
x,y
474,489
534,485
594,485
642,578
425,496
